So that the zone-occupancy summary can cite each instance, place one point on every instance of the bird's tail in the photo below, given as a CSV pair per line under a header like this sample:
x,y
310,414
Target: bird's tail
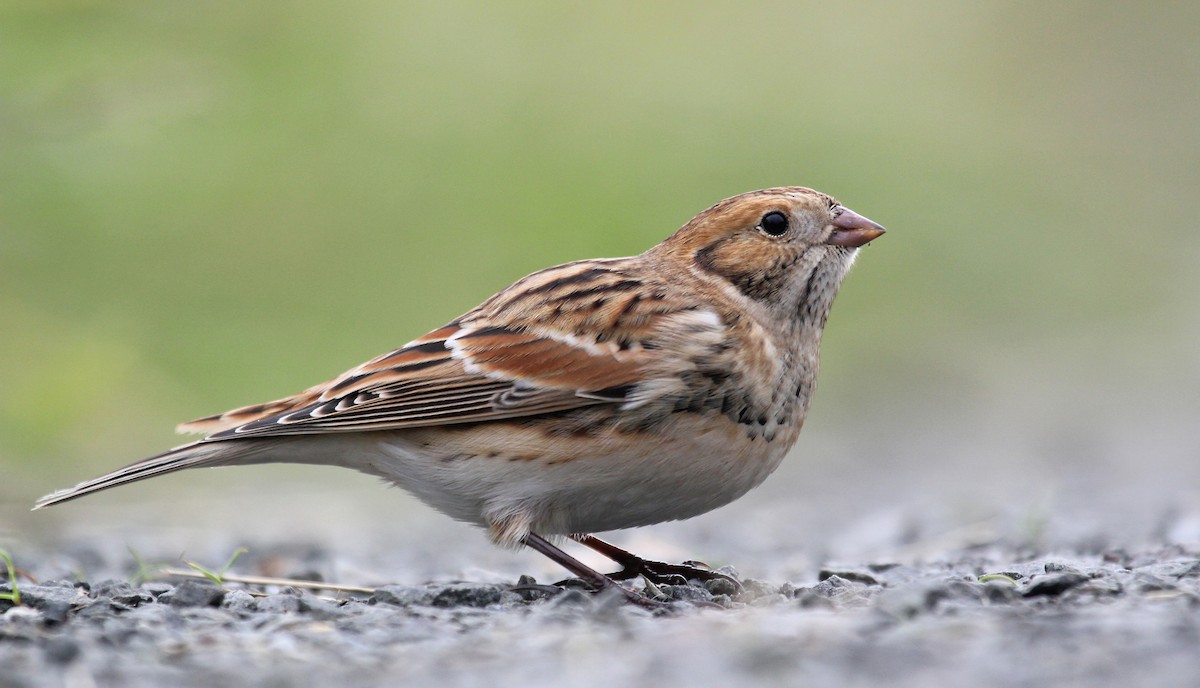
x,y
195,455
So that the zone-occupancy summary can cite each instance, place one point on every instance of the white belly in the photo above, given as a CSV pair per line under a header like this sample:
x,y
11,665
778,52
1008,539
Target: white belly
x,y
558,485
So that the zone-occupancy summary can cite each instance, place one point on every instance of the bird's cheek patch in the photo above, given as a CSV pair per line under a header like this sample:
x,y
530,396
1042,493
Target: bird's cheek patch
x,y
757,276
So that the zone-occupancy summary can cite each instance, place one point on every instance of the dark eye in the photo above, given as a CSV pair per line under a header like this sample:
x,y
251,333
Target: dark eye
x,y
773,223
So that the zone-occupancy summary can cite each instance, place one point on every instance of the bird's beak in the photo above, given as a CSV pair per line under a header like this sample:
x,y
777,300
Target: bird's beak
x,y
852,230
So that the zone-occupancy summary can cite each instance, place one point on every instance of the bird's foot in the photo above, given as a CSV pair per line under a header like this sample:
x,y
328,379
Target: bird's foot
x,y
594,580
656,572
662,573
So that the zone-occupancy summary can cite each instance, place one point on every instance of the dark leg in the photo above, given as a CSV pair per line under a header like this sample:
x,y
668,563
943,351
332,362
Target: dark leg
x,y
594,578
656,571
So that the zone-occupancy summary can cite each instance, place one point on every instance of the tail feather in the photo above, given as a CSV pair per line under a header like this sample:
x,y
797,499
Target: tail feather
x,y
195,455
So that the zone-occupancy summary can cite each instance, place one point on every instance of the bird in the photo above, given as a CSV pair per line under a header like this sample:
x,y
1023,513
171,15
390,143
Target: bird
x,y
592,396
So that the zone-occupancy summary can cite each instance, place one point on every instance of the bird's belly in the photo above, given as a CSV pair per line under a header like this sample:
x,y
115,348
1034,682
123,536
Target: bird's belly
x,y
580,483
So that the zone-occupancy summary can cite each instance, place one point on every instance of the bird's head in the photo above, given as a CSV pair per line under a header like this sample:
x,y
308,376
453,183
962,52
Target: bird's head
x,y
786,248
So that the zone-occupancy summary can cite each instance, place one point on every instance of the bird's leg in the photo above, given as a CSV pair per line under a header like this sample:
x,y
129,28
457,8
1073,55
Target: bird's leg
x,y
592,577
656,571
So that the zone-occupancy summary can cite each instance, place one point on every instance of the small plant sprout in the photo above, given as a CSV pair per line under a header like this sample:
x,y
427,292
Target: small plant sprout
x,y
145,570
15,595
217,576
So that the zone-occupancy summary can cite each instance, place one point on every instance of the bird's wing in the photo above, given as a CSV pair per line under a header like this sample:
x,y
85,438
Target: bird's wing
x,y
456,374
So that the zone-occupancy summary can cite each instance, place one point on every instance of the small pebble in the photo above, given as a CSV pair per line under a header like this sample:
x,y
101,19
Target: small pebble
x,y
466,595
193,594
239,601
721,586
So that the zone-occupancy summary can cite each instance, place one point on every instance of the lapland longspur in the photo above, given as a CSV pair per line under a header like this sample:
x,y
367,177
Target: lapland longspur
x,y
593,396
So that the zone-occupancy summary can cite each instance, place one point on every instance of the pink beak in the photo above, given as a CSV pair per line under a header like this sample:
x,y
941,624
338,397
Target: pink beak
x,y
852,230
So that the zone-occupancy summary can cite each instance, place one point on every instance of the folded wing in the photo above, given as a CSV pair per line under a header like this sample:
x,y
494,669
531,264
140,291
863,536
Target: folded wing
x,y
456,374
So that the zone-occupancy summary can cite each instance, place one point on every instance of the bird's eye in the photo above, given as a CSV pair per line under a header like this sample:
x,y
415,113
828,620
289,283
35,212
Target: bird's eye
x,y
774,223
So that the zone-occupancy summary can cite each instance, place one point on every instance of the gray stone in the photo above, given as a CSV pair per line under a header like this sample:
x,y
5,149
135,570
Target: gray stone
x,y
753,589
1056,567
721,586
239,601
466,595
836,587
55,599
193,594
279,604
687,593
1053,584
122,593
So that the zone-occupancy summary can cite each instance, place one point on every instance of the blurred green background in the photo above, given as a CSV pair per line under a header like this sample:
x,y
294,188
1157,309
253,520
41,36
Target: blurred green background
x,y
209,204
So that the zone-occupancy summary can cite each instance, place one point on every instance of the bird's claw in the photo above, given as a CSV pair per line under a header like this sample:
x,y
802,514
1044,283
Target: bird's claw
x,y
671,574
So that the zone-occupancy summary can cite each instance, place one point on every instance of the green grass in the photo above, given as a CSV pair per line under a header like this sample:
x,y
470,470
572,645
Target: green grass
x,y
145,570
1004,577
14,594
217,576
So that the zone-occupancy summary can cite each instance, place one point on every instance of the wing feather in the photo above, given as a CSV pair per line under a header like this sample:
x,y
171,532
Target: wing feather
x,y
505,374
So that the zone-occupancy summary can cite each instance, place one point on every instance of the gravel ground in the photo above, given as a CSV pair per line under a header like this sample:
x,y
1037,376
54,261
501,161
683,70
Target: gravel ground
x,y
984,615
